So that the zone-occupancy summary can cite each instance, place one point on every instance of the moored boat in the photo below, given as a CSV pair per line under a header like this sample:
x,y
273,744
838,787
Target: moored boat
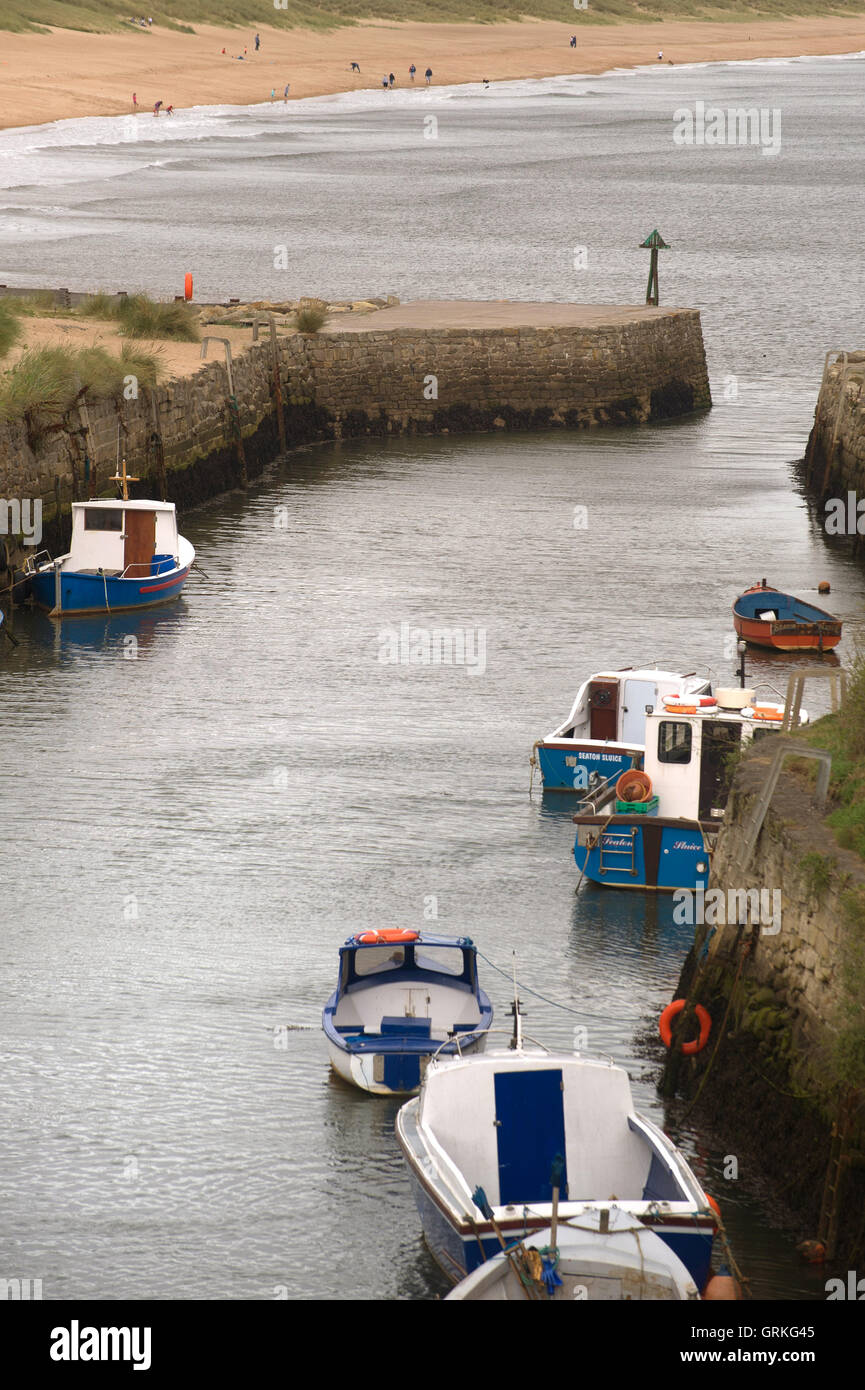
x,y
603,1254
508,1120
123,554
665,841
766,617
605,732
401,996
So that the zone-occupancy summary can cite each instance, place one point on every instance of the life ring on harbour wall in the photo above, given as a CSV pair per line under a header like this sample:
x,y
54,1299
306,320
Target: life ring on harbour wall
x,y
386,935
672,1011
187,287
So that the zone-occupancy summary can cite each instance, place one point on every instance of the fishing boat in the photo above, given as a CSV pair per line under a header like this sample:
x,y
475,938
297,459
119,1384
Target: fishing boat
x,y
508,1142
123,554
400,997
604,1254
765,617
605,732
661,833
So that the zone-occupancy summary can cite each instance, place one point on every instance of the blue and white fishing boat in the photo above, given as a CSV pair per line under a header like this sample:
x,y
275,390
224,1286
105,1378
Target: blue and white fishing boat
x,y
123,554
489,1133
605,732
401,996
665,840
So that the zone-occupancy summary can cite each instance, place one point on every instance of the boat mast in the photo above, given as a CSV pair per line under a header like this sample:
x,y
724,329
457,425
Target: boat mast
x,y
121,475
516,1042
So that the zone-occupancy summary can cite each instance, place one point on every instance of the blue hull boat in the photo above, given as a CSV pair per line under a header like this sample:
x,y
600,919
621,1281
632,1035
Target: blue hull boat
x,y
401,997
491,1133
123,555
666,841
605,733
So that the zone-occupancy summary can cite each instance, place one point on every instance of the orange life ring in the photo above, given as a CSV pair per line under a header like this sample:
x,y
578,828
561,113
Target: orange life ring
x,y
386,934
714,1205
664,1027
680,709
187,287
768,712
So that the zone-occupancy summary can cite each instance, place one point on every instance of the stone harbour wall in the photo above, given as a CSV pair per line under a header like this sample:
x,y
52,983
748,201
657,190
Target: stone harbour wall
x,y
606,366
835,457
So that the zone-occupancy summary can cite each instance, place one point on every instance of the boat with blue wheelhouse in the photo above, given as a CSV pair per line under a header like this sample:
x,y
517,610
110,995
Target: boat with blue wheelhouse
x,y
663,837
123,554
605,733
401,996
517,1139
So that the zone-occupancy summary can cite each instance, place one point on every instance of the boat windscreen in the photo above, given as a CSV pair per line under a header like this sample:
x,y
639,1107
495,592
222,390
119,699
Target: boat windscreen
x,y
373,960
447,960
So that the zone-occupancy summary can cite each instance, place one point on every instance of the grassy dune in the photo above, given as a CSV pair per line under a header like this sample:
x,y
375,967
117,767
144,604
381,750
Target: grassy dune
x,y
103,16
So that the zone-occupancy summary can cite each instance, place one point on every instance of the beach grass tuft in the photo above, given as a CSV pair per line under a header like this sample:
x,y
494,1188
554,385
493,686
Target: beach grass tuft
x,y
311,316
139,316
10,327
47,383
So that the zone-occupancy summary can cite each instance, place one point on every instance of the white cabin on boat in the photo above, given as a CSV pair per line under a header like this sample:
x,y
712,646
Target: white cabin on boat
x,y
121,538
611,705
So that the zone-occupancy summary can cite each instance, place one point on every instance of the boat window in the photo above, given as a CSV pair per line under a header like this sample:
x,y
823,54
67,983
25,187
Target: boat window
x,y
375,959
448,960
674,742
103,519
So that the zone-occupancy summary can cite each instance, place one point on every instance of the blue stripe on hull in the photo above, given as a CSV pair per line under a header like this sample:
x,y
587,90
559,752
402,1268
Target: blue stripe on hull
x,y
568,770
694,1250
90,593
681,850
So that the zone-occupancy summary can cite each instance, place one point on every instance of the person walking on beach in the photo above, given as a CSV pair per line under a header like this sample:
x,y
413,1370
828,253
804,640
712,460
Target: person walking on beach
x,y
391,79
573,40
428,75
384,81
257,42
169,110
411,72
285,93
134,101
156,108
355,67
660,55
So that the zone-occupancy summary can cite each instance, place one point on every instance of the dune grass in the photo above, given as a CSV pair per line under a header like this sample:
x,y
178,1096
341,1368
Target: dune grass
x,y
10,327
102,16
47,383
310,316
141,317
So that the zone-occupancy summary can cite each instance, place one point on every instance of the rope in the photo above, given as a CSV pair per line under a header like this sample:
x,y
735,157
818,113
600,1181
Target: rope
x,y
533,762
742,958
105,587
577,1013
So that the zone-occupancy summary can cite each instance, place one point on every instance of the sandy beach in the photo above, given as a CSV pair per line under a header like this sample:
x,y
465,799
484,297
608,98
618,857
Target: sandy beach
x,y
68,73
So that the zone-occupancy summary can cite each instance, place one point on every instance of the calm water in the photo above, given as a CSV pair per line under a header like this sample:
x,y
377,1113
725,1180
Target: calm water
x,y
192,833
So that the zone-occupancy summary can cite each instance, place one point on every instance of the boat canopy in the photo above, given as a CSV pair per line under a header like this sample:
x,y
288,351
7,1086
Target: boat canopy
x,y
414,954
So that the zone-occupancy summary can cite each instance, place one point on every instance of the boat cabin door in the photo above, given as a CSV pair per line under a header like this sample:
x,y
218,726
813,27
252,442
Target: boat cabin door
x,y
530,1129
719,741
139,529
604,706
638,694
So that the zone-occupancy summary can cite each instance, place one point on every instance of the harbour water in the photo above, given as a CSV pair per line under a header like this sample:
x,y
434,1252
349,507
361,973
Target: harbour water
x,y
202,803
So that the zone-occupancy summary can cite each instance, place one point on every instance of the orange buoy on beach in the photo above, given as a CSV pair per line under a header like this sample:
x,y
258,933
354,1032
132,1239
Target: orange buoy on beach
x,y
689,1049
187,288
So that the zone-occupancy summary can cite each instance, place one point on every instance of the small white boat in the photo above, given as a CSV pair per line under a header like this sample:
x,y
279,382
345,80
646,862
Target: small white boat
x,y
605,733
603,1254
513,1140
402,996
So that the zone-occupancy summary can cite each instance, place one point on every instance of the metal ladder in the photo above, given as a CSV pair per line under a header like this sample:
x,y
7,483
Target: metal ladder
x,y
631,852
